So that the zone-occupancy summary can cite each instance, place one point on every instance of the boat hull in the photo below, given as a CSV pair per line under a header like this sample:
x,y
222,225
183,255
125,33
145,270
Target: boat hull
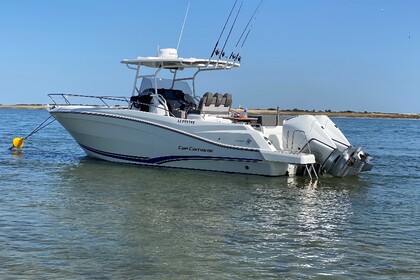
x,y
136,140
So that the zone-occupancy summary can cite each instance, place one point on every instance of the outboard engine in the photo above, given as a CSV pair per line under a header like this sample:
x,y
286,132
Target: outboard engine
x,y
319,136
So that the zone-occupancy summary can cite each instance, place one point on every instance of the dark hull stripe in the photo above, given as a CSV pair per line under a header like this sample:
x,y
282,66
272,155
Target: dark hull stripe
x,y
164,159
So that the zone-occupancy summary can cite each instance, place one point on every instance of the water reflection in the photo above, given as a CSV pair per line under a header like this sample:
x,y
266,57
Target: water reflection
x,y
171,220
301,225
17,153
91,217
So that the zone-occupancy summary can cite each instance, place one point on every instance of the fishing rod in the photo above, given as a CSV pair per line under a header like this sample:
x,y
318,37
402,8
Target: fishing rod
x,y
222,53
237,57
19,141
243,32
215,50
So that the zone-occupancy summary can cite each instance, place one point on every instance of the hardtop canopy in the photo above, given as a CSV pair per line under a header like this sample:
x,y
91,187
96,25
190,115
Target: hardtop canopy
x,y
180,63
168,59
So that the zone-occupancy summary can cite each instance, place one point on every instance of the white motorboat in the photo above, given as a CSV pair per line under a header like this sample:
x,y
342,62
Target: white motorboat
x,y
165,123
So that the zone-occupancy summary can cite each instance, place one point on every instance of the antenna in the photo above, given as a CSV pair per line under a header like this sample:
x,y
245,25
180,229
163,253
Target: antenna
x,y
215,50
182,29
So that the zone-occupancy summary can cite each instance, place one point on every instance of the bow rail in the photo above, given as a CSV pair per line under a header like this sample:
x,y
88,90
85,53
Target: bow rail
x,y
74,99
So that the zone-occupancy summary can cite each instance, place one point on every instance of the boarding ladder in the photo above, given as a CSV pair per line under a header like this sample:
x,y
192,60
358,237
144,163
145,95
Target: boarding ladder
x,y
310,168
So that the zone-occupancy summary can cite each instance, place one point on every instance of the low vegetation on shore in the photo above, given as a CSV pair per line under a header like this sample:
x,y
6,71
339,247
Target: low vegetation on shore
x,y
329,113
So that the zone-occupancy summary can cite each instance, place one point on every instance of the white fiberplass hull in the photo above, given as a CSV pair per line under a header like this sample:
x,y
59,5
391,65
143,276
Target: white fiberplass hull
x,y
128,136
164,123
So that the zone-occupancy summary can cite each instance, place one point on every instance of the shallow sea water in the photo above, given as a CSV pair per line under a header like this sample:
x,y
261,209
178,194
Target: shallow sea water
x,y
66,216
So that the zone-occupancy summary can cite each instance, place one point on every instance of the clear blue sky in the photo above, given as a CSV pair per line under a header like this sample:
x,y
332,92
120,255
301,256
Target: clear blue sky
x,y
340,55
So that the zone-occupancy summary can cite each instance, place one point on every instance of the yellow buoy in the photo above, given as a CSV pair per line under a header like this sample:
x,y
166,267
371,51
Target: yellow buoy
x,y
18,142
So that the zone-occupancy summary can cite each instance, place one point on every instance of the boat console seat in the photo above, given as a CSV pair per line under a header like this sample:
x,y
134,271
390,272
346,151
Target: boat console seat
x,y
180,104
141,102
176,101
217,103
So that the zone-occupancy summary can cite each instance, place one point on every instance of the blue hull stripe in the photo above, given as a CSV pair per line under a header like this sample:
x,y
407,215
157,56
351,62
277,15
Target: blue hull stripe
x,y
164,159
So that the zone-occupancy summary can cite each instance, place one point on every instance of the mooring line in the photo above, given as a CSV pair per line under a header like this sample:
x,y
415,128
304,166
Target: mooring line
x,y
19,141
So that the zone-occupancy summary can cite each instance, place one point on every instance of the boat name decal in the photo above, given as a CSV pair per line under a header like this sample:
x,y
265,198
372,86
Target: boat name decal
x,y
186,121
193,149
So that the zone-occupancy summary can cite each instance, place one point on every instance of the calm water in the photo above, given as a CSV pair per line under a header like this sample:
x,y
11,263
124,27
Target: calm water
x,y
65,216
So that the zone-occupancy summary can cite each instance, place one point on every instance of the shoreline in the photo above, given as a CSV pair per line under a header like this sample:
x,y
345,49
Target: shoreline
x,y
23,106
348,114
345,114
